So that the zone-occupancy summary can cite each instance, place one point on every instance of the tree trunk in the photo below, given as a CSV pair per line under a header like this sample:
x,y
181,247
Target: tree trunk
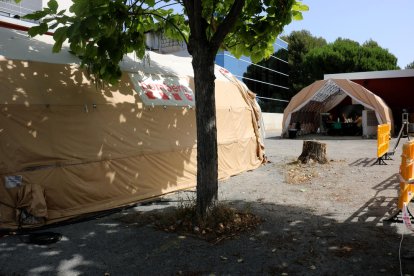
x,y
207,164
313,150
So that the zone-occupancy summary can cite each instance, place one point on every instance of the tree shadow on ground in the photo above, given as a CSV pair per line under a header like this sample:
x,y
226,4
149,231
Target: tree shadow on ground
x,y
291,240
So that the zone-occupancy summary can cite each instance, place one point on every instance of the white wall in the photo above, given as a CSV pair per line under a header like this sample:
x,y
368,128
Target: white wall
x,y
273,121
369,124
11,8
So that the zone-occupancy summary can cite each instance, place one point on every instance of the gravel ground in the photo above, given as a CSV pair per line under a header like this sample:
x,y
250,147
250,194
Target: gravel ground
x,y
319,220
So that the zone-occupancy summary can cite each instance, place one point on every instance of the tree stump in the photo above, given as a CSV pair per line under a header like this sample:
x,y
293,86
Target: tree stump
x,y
313,150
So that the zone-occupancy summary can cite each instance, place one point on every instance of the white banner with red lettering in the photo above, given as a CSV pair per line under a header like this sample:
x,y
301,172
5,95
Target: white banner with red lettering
x,y
157,90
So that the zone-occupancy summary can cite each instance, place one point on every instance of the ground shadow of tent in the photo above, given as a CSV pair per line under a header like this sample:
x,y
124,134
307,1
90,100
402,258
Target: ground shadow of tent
x,y
322,96
69,147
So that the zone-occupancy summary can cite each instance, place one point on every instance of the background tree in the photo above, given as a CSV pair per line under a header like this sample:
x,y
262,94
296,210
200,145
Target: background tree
x,y
311,57
410,65
300,43
101,32
345,55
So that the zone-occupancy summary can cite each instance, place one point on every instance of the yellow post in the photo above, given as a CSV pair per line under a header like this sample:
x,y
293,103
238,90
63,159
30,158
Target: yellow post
x,y
407,174
383,139
407,162
406,194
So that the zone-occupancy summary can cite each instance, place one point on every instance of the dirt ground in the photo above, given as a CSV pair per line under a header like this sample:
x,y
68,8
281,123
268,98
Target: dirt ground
x,y
318,220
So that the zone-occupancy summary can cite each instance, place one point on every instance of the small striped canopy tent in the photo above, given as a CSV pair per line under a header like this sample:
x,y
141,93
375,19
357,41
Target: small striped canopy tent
x,y
323,95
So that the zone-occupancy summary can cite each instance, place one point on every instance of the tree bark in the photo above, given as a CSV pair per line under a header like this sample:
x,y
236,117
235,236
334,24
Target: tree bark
x,y
207,164
203,50
313,150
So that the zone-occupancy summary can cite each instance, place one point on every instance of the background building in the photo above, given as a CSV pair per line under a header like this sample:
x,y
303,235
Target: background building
x,y
11,13
9,8
395,87
268,79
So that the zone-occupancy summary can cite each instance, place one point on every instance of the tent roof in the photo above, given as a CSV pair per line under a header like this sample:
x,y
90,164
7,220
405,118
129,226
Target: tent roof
x,y
27,59
17,45
323,95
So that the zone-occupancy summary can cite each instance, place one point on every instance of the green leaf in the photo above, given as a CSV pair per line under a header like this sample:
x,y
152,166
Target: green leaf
x,y
297,15
73,30
256,57
79,6
140,52
299,7
91,23
238,50
36,15
102,70
38,30
57,47
271,10
53,5
59,36
150,3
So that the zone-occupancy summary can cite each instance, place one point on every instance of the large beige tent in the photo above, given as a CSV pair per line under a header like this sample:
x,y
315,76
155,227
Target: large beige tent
x,y
322,96
68,147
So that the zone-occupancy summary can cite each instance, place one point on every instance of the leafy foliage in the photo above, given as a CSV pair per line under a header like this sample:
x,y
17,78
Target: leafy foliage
x,y
345,55
300,43
410,65
101,32
311,57
259,25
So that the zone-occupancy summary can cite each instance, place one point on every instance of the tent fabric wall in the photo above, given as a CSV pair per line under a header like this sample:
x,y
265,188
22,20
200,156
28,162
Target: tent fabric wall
x,y
70,148
340,87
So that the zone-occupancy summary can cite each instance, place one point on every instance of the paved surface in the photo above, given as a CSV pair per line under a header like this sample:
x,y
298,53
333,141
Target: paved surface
x,y
329,225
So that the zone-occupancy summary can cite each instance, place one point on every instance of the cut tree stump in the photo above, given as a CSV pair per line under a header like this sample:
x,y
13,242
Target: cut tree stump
x,y
313,150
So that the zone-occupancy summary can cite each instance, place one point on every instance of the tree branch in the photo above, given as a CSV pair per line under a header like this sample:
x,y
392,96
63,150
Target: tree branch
x,y
231,46
132,5
198,18
169,22
189,7
166,6
228,23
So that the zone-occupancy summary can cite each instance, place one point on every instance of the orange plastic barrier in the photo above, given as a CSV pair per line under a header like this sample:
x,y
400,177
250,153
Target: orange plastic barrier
x,y
407,174
407,162
406,194
383,139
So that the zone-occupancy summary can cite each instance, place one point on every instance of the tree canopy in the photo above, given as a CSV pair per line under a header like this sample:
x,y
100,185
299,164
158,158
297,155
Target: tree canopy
x,y
101,32
311,57
300,43
410,65
345,55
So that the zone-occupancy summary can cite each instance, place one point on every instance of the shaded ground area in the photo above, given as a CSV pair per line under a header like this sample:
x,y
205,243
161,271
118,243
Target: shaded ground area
x,y
328,223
